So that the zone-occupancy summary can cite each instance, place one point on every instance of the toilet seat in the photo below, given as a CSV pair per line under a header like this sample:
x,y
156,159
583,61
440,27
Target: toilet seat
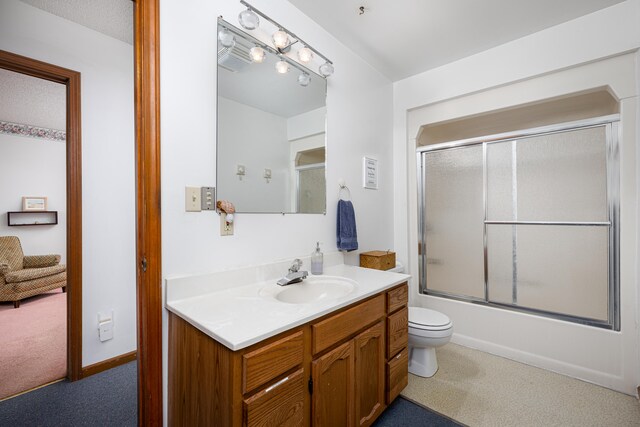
x,y
429,320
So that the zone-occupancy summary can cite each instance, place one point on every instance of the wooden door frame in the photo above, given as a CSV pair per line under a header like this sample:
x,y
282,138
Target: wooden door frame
x,y
71,79
148,226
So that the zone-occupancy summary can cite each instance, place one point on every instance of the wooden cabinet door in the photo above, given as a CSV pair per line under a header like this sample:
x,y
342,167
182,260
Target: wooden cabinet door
x,y
370,365
334,388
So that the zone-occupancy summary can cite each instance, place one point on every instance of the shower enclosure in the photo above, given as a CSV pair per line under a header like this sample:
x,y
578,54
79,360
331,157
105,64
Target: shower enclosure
x,y
525,221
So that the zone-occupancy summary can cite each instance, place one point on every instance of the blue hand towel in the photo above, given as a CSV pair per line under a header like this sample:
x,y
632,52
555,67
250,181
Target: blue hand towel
x,y
346,227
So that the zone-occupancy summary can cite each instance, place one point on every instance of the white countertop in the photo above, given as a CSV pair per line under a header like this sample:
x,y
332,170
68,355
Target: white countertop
x,y
240,316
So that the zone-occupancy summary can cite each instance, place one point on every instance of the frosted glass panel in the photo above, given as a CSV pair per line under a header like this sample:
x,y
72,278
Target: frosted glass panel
x,y
311,190
454,218
501,203
555,177
500,257
561,269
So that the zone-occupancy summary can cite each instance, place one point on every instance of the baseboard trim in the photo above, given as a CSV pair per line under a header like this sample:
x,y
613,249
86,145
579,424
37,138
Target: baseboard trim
x,y
96,368
30,390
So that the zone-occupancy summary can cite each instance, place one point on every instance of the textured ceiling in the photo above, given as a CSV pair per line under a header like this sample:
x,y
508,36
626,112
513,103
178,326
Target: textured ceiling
x,y
32,101
401,38
111,17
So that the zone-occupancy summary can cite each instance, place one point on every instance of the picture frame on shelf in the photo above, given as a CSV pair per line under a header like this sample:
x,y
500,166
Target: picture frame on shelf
x,y
34,203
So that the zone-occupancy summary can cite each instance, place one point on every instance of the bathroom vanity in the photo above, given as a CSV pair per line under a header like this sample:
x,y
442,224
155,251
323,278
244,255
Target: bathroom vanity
x,y
338,362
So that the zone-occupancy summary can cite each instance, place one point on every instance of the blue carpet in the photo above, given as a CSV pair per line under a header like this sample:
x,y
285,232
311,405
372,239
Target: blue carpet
x,y
105,399
404,413
110,399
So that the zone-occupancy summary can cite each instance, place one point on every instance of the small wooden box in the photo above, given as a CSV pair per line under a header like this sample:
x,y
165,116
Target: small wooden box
x,y
380,260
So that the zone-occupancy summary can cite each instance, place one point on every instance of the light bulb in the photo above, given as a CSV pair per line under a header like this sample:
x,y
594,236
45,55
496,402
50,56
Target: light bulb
x,y
257,54
227,39
248,19
305,54
326,69
280,39
282,66
304,79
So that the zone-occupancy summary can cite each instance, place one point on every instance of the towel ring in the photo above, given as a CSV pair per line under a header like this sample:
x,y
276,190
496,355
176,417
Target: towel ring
x,y
344,187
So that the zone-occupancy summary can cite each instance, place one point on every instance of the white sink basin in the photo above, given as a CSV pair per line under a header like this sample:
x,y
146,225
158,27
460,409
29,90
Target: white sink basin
x,y
314,289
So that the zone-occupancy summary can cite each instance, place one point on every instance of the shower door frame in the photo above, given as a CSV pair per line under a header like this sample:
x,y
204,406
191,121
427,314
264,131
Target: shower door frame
x,y
612,128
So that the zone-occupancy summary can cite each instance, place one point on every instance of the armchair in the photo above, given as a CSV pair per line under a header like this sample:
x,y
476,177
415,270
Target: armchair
x,y
25,276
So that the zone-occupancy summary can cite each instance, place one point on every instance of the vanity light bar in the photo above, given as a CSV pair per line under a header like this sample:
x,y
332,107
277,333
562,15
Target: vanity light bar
x,y
298,39
248,37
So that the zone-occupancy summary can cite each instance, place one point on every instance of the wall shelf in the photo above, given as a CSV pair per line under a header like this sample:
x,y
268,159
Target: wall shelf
x,y
28,218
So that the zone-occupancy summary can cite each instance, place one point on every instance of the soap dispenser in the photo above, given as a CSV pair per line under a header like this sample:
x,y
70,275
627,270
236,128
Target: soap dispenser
x,y
316,260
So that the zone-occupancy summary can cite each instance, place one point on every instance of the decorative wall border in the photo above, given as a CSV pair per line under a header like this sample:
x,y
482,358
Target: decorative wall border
x,y
32,131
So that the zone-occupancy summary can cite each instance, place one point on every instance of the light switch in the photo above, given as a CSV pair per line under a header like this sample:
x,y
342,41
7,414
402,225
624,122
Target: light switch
x,y
208,198
192,199
105,325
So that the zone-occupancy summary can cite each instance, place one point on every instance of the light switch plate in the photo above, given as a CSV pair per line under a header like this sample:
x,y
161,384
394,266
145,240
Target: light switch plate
x,y
105,325
192,199
208,195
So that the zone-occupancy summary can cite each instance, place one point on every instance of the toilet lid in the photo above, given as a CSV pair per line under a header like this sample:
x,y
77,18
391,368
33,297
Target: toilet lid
x,y
419,316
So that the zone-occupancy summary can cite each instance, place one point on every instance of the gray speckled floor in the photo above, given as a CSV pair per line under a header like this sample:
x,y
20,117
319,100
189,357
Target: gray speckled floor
x,y
480,389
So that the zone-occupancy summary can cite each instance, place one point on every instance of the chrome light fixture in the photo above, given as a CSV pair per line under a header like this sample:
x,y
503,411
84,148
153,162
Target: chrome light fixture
x,y
282,42
227,39
248,19
304,79
280,39
257,54
282,67
326,69
305,55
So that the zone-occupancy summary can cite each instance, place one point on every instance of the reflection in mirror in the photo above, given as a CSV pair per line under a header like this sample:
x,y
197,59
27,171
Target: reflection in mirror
x,y
271,131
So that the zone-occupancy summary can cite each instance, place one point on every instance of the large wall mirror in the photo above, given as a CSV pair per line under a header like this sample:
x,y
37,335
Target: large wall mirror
x,y
271,151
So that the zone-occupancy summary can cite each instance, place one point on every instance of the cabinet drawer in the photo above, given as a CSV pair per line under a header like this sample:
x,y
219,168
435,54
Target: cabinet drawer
x,y
334,329
264,364
397,374
281,404
397,331
397,298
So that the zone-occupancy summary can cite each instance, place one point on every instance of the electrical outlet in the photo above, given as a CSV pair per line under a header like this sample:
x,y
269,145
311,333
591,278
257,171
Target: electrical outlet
x,y
192,199
226,228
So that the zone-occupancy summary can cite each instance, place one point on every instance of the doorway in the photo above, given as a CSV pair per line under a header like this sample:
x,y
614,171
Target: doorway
x,y
33,301
23,66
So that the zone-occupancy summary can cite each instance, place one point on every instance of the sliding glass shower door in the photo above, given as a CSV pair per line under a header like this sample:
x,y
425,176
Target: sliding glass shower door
x,y
526,223
453,221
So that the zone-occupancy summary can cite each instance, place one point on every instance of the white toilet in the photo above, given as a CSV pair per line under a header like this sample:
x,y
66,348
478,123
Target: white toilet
x,y
428,329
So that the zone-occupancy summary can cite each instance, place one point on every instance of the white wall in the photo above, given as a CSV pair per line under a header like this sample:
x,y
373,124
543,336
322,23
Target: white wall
x,y
528,69
359,123
257,140
310,123
34,167
108,179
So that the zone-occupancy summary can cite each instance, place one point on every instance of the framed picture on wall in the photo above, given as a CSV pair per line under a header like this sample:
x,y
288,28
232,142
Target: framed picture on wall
x,y
33,203
370,173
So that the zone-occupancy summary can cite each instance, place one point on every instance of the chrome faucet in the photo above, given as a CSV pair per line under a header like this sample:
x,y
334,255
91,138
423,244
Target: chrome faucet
x,y
295,275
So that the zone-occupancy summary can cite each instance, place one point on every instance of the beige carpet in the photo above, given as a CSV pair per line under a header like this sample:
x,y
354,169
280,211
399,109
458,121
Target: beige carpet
x,y
480,389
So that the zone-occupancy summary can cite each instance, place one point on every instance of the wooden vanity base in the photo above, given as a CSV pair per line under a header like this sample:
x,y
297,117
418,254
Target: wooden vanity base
x,y
342,369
